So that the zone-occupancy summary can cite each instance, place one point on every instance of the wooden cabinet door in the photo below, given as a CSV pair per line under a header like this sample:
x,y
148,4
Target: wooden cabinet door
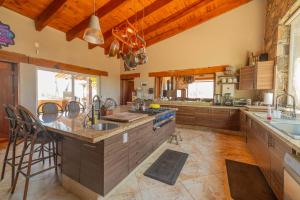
x,y
141,141
202,117
243,123
71,157
91,166
261,149
116,166
220,118
264,75
247,77
277,152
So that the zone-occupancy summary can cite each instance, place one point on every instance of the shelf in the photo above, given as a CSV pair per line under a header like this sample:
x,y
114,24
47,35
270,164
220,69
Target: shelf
x,y
227,83
226,76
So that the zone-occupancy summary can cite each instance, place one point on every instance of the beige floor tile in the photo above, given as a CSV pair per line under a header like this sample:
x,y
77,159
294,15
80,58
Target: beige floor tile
x,y
203,176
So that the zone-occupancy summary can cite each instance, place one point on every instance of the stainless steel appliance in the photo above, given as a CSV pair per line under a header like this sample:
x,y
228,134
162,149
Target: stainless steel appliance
x,y
162,115
217,99
291,177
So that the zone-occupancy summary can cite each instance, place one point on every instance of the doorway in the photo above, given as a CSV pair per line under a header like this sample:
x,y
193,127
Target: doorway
x,y
127,88
8,94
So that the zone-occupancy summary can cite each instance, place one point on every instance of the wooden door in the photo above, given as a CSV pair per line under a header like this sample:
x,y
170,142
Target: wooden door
x,y
127,87
8,94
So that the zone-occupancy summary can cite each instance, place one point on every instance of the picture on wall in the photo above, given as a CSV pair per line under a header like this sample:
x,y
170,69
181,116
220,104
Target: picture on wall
x,y
6,35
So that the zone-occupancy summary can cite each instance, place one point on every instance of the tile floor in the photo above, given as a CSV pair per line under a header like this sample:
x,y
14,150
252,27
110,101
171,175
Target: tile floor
x,y
203,176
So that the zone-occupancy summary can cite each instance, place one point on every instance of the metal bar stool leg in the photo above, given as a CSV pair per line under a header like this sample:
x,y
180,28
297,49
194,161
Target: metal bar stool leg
x,y
5,157
19,166
28,170
54,155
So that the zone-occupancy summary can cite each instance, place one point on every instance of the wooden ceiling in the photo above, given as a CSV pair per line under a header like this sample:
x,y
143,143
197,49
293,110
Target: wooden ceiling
x,y
159,19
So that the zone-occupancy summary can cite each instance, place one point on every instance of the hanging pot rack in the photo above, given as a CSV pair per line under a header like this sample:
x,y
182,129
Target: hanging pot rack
x,y
128,35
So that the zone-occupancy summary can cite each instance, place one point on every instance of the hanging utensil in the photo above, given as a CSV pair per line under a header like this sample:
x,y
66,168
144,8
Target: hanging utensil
x,y
114,48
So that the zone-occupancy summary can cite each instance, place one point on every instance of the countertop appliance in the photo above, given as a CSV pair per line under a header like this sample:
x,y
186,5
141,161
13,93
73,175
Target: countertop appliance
x,y
291,177
217,99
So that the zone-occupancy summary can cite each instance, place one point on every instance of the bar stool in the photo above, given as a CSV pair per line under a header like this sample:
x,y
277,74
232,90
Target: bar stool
x,y
14,136
74,106
34,133
51,109
176,136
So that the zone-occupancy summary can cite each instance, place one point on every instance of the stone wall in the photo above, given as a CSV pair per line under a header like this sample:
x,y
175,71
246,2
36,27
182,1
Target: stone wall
x,y
277,39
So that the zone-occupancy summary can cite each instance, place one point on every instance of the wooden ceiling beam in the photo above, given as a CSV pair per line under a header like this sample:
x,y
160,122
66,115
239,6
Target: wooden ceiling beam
x,y
2,2
63,66
209,14
139,15
48,14
107,8
177,15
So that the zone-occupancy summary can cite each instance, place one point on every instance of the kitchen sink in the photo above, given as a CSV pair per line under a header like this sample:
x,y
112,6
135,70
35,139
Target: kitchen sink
x,y
291,129
104,126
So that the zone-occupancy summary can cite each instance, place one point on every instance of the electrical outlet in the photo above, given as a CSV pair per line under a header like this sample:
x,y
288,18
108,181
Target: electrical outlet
x,y
125,138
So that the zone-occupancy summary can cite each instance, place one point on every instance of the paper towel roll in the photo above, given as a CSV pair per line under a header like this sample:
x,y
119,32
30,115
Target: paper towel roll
x,y
268,98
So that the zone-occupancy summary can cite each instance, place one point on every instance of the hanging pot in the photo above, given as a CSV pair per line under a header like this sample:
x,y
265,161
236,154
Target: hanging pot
x,y
114,48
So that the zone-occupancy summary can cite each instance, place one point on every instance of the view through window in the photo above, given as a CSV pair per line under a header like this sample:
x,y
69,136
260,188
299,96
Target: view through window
x,y
294,71
203,89
61,87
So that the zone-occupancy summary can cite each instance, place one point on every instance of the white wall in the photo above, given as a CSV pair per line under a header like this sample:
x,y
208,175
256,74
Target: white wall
x,y
53,46
225,39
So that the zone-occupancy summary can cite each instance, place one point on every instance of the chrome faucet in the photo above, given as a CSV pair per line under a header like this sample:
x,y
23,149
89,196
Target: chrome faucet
x,y
87,117
292,115
97,99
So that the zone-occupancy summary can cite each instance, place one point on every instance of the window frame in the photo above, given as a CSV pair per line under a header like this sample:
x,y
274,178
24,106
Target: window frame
x,y
293,30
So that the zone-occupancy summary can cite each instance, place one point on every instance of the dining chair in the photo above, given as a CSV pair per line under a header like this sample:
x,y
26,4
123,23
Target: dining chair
x,y
74,106
34,134
49,108
14,138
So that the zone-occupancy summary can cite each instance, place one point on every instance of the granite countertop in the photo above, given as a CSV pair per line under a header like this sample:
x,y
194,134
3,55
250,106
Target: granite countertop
x,y
295,144
71,125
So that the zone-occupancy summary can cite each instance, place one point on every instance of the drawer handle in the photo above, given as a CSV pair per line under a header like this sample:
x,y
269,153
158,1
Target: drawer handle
x,y
90,146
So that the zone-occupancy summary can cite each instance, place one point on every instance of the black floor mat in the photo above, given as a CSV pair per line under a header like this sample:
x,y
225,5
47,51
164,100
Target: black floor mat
x,y
167,167
247,182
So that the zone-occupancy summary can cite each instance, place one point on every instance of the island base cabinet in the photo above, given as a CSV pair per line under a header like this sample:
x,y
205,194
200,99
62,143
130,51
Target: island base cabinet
x,y
268,152
101,166
71,158
116,166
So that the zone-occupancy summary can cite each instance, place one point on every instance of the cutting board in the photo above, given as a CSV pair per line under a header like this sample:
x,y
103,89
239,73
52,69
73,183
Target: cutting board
x,y
125,117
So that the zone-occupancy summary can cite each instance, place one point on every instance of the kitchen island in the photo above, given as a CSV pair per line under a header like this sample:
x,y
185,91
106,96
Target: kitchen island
x,y
94,162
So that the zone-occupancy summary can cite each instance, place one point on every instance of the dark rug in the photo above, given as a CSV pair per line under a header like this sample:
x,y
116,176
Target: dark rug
x,y
167,167
247,182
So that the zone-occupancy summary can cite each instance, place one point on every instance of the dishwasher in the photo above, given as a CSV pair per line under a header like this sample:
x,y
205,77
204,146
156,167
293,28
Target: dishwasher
x,y
291,177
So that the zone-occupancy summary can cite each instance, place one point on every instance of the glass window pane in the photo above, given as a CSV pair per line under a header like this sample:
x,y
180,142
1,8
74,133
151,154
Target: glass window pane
x,y
201,89
294,80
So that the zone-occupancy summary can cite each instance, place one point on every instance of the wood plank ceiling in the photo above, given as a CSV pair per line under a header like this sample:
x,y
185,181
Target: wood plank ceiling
x,y
156,19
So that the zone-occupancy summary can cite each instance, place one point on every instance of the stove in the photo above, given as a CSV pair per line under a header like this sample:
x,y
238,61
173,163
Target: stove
x,y
162,115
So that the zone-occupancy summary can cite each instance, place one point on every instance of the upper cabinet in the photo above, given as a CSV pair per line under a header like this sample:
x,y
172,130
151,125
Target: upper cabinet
x,y
259,77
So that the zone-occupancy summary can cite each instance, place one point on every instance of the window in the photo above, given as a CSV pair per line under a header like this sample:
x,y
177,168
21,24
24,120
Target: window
x,y
61,87
203,89
294,70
